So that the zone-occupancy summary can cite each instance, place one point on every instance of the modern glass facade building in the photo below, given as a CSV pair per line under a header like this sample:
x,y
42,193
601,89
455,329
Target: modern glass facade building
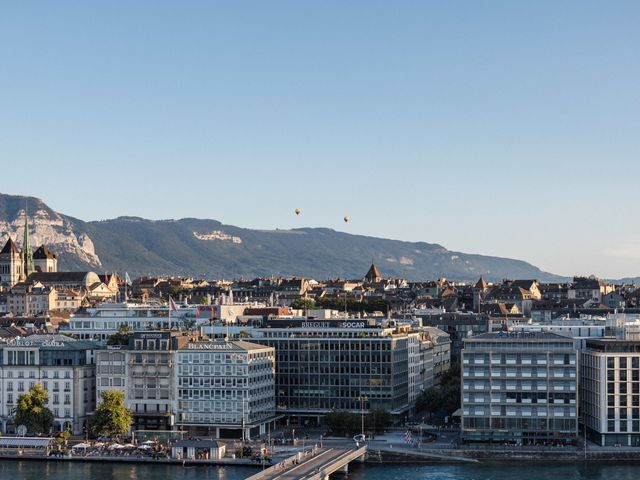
x,y
610,391
325,365
519,388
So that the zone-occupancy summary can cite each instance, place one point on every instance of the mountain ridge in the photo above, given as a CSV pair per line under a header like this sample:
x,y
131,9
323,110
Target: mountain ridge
x,y
209,248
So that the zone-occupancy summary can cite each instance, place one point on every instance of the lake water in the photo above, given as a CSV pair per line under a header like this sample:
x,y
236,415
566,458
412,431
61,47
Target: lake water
x,y
33,470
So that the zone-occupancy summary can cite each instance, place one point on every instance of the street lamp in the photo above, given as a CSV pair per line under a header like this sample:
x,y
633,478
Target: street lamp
x,y
363,398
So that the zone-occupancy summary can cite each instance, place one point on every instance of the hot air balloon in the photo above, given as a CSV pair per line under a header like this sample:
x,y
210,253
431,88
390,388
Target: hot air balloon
x,y
297,210
346,219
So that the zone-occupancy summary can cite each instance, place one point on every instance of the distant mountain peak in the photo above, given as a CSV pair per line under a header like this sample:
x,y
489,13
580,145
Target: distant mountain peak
x,y
208,248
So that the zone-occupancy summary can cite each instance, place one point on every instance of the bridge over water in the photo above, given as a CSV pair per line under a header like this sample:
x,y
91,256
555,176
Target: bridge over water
x,y
313,467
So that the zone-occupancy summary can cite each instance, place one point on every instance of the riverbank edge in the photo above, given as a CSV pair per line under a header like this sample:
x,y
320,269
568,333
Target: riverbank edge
x,y
374,457
128,460
377,456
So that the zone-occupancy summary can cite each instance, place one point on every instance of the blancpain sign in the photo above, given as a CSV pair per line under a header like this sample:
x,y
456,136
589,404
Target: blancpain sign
x,y
210,346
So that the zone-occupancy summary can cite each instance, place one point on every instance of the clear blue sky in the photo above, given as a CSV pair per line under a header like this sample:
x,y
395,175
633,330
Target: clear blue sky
x,y
498,127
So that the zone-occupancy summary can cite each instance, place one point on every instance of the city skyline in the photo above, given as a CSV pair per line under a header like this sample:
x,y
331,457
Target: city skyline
x,y
499,129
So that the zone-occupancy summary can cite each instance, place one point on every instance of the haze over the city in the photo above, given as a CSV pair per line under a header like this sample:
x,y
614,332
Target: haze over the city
x,y
501,128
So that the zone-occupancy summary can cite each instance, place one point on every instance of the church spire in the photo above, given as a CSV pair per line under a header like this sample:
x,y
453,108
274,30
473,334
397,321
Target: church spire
x,y
26,247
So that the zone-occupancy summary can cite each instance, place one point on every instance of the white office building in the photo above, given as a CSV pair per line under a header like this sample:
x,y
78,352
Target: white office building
x,y
519,388
225,388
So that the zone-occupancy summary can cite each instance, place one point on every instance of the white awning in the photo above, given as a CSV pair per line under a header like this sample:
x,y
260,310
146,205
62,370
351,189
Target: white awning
x,y
24,442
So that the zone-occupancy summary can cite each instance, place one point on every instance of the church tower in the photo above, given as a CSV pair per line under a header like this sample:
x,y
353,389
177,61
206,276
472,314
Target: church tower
x,y
373,275
44,260
10,265
26,248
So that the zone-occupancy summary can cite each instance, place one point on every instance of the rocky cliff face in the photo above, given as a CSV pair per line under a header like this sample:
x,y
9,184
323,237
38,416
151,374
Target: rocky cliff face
x,y
209,249
47,227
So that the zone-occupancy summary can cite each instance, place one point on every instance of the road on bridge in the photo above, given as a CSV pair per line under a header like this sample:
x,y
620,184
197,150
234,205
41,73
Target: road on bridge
x,y
309,466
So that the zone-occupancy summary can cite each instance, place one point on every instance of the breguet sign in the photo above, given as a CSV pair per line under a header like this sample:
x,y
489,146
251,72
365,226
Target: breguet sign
x,y
353,323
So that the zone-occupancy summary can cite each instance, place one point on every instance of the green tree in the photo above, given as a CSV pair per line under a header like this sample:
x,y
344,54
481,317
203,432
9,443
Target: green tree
x,y
353,304
445,396
378,420
343,423
204,300
175,291
429,400
111,417
121,337
32,410
303,304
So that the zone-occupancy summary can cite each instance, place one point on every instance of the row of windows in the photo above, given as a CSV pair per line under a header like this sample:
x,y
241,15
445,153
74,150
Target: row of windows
x,y
539,424
56,386
519,359
336,369
623,362
623,413
623,388
216,370
623,426
622,376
